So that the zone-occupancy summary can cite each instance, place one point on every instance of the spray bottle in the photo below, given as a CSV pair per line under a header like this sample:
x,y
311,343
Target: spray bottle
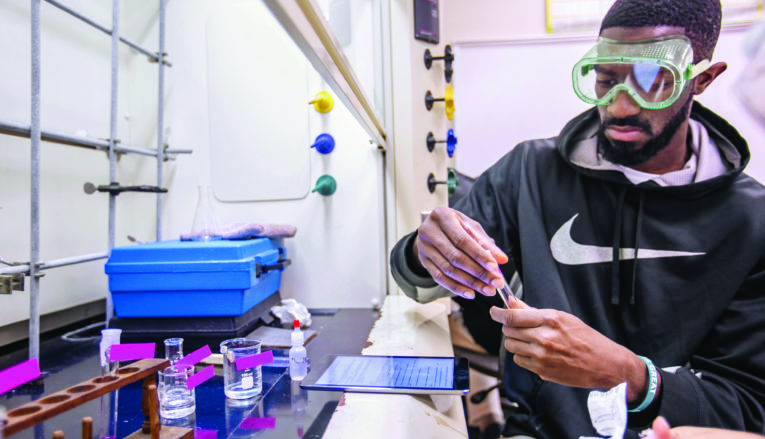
x,y
298,358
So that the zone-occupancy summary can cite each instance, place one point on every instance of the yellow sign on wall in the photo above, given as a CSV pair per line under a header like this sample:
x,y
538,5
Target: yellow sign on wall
x,y
573,16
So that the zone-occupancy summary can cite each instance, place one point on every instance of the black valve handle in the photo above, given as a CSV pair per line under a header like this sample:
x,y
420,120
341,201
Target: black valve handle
x,y
429,99
448,57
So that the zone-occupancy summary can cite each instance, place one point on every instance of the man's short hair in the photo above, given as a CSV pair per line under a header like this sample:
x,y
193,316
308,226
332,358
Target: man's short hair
x,y
701,19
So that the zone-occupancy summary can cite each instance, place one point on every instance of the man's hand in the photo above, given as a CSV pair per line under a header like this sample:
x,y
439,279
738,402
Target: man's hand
x,y
561,348
459,255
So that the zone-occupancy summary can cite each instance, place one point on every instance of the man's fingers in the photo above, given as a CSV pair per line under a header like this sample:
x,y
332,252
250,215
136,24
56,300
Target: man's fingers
x,y
436,241
519,347
464,241
524,361
460,270
446,281
518,318
476,231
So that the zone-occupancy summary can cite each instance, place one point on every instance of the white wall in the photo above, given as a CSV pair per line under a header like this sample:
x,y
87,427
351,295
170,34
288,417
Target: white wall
x,y
338,253
75,100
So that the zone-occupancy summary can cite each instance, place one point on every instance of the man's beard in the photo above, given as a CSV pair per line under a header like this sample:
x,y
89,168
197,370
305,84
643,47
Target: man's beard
x,y
624,153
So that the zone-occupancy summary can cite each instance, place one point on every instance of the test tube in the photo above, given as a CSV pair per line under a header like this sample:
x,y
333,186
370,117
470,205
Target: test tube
x,y
173,350
3,417
109,337
106,428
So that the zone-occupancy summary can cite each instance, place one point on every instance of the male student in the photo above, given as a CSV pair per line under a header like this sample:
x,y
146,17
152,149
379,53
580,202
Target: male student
x,y
637,236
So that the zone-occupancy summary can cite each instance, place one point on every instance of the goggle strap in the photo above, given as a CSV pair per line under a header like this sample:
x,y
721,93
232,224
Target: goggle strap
x,y
699,68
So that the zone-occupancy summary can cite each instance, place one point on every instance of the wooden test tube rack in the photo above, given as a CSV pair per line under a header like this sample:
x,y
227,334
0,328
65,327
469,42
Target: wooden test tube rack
x,y
34,412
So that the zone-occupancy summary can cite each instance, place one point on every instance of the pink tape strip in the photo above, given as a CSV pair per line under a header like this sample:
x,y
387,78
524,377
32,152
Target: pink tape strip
x,y
254,360
19,374
205,434
131,351
258,423
194,357
200,377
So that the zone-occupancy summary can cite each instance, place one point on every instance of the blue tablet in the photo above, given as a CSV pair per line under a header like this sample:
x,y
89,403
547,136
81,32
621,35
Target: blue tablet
x,y
391,374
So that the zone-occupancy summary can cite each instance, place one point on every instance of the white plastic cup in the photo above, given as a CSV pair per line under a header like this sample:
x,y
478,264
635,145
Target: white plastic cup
x,y
245,383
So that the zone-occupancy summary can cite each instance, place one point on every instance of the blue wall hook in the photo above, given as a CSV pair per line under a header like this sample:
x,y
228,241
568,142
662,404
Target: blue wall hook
x,y
324,143
451,143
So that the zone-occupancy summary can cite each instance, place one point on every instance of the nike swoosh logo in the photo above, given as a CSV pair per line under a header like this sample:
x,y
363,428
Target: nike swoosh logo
x,y
566,251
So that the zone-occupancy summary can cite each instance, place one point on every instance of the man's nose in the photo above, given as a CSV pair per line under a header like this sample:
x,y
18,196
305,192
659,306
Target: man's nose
x,y
623,106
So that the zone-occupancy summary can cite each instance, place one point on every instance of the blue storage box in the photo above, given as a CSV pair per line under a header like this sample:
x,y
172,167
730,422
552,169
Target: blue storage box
x,y
194,278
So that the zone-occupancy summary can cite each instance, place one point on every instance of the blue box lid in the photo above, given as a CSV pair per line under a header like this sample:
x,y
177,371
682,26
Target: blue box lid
x,y
193,256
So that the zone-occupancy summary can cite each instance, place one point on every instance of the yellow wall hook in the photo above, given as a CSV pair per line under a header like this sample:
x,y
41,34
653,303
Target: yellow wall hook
x,y
323,102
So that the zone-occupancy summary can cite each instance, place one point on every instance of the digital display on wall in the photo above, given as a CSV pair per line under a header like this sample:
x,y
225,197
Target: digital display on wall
x,y
426,20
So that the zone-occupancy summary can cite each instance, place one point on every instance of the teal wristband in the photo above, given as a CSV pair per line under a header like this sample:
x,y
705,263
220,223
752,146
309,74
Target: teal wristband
x,y
653,383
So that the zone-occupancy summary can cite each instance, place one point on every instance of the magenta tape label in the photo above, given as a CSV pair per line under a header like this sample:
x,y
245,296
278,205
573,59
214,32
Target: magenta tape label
x,y
201,433
19,374
194,357
131,351
258,423
200,377
254,360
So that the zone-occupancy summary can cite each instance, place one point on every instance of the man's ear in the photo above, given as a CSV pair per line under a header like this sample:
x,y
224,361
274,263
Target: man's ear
x,y
707,76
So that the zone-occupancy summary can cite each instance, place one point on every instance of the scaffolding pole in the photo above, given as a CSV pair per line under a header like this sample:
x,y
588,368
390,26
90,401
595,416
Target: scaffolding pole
x,y
15,129
152,56
35,133
160,112
34,239
24,268
112,136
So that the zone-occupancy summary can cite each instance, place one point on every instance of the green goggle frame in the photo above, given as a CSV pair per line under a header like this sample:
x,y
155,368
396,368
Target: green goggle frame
x,y
653,72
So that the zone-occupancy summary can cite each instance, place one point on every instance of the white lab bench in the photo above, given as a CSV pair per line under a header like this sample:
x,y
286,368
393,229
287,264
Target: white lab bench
x,y
405,327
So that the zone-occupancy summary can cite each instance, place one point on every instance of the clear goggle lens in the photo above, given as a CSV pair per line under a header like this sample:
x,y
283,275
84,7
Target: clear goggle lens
x,y
650,84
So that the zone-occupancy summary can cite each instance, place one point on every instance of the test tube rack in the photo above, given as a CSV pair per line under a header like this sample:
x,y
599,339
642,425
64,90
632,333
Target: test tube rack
x,y
34,412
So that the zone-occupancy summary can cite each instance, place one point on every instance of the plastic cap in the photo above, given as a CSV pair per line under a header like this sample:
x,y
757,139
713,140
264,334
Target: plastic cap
x,y
296,324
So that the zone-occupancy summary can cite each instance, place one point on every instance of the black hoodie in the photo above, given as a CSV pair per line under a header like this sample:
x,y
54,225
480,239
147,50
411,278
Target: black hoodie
x,y
693,298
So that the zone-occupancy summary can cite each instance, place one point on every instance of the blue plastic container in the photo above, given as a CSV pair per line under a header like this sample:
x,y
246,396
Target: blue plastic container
x,y
194,278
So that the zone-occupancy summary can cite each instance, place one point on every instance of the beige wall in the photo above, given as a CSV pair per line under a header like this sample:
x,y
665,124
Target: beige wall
x,y
479,20
412,121
460,20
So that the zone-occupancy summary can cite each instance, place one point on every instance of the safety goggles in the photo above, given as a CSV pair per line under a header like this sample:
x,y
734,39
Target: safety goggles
x,y
653,72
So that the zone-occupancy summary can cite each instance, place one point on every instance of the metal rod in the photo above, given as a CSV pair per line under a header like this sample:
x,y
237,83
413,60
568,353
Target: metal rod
x,y
72,260
112,136
160,113
34,239
14,129
104,29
